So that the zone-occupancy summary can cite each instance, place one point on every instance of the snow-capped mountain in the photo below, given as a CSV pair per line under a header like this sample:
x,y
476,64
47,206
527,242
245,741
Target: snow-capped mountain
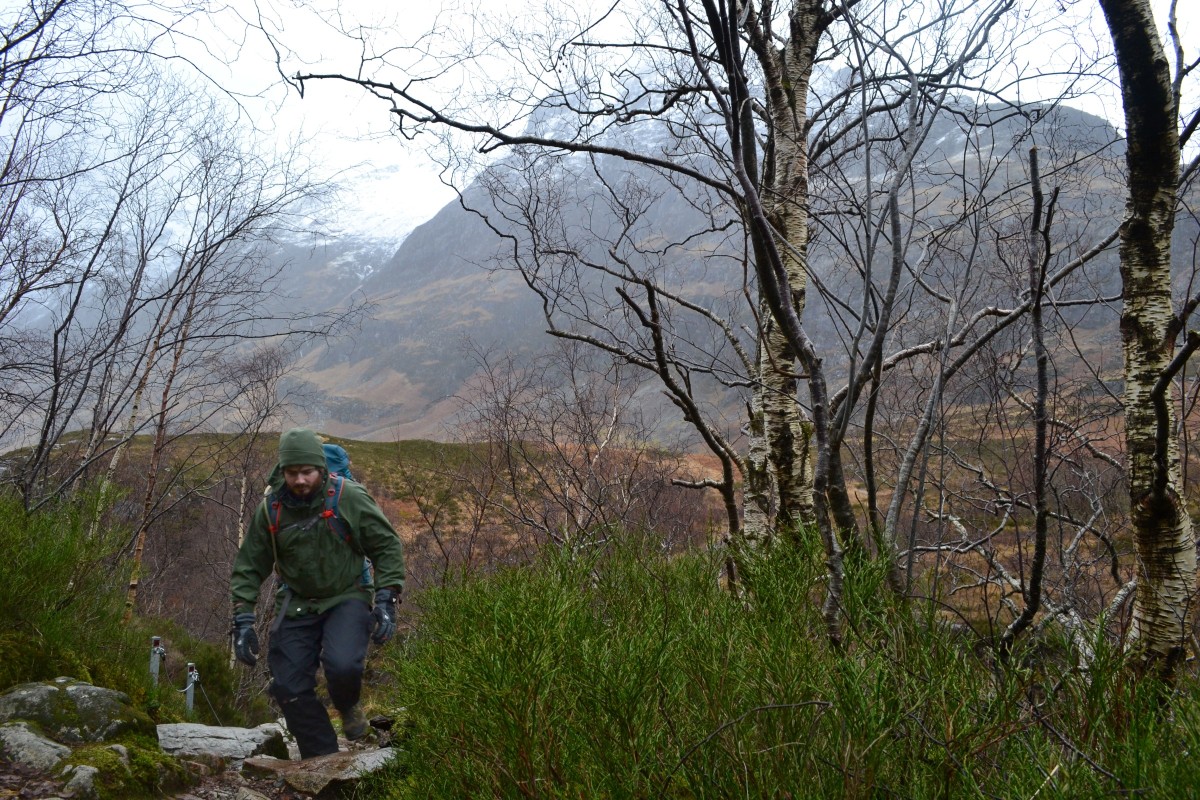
x,y
442,283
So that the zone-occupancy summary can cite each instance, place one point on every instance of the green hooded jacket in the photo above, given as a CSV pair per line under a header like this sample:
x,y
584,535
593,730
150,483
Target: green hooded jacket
x,y
319,568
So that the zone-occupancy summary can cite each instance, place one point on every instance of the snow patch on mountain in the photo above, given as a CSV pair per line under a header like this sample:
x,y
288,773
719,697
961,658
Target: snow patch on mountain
x,y
372,211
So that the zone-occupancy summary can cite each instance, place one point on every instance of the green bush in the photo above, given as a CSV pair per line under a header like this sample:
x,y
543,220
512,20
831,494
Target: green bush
x,y
61,596
62,599
630,674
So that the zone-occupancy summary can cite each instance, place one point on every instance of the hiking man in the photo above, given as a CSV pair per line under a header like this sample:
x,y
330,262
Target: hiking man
x,y
314,529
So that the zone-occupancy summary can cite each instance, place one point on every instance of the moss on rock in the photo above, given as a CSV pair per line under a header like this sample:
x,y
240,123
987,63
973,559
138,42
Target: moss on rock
x,y
73,712
133,768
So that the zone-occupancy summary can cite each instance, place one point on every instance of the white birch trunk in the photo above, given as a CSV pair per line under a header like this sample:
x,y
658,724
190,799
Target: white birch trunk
x,y
786,428
1165,545
759,491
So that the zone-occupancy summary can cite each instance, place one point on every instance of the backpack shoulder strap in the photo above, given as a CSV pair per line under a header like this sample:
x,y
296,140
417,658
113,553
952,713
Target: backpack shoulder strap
x,y
274,507
336,522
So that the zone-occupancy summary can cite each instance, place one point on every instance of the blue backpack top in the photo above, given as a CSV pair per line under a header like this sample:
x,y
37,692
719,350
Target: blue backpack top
x,y
337,460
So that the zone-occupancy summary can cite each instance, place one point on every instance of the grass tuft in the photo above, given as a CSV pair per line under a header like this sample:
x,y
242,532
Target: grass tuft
x,y
631,674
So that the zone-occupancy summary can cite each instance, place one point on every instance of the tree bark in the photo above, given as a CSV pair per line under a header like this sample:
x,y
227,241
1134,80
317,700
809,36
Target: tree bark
x,y
758,489
1166,548
787,70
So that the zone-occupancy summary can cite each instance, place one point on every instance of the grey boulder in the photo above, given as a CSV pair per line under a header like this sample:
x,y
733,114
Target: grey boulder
x,y
191,739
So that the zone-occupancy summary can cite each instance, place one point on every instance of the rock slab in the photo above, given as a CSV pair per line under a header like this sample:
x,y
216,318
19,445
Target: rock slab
x,y
322,775
192,739
22,744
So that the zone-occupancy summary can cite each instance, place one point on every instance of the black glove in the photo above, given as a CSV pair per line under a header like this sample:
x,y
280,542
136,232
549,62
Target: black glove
x,y
245,640
385,615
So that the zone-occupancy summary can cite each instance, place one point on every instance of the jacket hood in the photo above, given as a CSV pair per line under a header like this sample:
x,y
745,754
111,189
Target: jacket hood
x,y
301,447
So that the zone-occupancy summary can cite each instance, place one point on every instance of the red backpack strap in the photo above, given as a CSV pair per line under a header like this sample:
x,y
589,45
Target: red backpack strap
x,y
273,511
332,495
273,508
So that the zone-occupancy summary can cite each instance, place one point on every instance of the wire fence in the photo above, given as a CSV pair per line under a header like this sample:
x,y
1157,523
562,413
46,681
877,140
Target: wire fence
x,y
158,655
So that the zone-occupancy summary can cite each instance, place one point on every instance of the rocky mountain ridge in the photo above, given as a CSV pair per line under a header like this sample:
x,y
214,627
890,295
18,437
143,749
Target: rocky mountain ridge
x,y
398,375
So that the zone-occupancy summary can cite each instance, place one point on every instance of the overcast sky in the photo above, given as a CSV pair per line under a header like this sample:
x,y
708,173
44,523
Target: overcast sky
x,y
349,129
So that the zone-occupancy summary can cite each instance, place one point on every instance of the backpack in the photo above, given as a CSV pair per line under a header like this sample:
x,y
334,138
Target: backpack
x,y
337,460
336,523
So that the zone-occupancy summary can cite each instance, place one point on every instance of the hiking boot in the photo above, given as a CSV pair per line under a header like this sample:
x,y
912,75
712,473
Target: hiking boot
x,y
354,723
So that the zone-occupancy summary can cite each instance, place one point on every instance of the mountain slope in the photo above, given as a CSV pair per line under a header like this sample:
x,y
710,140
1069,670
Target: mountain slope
x,y
397,376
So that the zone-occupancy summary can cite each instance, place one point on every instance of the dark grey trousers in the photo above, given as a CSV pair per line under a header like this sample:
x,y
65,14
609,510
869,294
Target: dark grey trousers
x,y
336,641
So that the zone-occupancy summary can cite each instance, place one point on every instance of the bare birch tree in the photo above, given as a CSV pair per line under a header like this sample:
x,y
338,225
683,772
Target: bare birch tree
x,y
1166,546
